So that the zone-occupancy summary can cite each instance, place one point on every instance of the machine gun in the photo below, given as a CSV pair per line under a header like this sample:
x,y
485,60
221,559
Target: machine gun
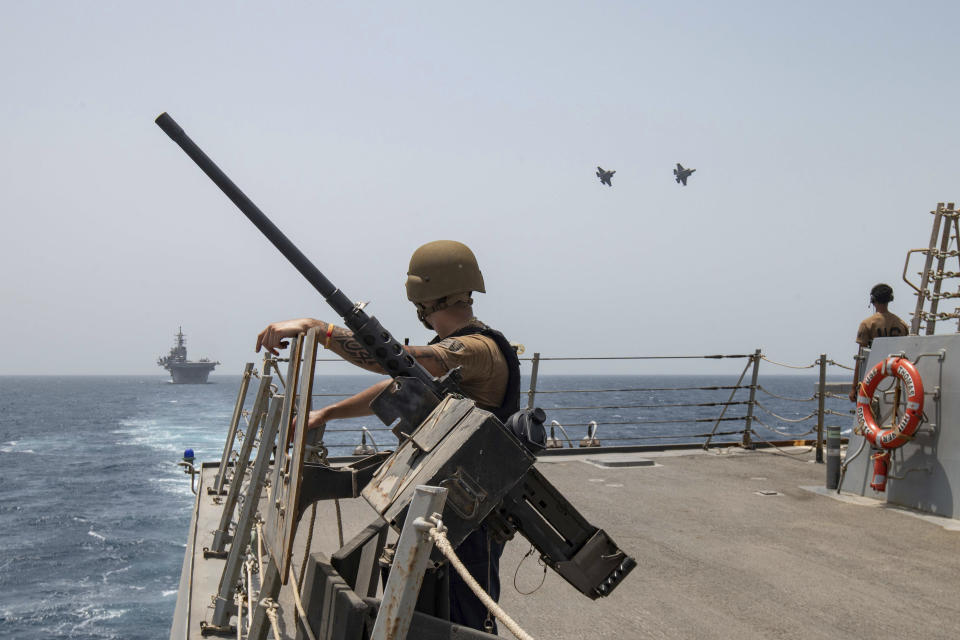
x,y
446,441
409,402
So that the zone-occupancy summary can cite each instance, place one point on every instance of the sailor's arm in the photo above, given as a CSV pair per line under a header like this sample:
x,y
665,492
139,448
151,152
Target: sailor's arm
x,y
341,341
358,405
344,344
856,374
355,406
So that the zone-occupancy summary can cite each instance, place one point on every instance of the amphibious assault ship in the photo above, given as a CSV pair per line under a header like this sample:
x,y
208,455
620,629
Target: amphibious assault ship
x,y
183,371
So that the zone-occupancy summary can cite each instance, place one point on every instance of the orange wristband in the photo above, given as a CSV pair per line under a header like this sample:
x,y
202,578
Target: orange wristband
x,y
326,345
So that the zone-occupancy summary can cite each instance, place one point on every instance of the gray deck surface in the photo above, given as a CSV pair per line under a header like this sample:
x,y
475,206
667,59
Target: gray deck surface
x,y
718,560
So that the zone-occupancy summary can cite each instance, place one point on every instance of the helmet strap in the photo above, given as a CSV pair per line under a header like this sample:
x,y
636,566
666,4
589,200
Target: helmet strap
x,y
423,317
425,309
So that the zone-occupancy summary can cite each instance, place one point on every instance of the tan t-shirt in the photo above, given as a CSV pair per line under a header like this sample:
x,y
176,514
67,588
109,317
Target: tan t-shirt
x,y
483,368
880,325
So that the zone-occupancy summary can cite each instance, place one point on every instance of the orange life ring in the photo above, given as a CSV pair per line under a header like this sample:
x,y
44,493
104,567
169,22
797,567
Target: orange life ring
x,y
902,433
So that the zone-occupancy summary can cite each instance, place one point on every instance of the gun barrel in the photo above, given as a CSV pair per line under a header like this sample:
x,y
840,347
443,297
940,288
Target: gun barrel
x,y
377,341
340,302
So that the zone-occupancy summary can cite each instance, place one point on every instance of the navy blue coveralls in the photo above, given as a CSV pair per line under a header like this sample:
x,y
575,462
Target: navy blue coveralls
x,y
465,608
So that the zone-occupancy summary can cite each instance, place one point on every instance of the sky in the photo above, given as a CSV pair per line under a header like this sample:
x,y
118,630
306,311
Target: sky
x,y
823,133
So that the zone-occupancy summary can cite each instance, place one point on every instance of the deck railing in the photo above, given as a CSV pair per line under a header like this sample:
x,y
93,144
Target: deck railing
x,y
736,408
676,410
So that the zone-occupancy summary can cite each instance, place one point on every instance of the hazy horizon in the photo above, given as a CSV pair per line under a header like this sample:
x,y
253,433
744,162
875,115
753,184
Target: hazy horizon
x,y
821,134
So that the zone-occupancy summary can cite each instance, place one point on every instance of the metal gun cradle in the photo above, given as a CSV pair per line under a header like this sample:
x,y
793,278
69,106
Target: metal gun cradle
x,y
490,477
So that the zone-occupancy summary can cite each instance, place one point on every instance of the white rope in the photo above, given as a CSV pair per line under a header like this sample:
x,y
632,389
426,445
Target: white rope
x,y
793,436
837,364
440,540
760,387
788,366
271,609
238,600
249,565
296,601
781,417
783,452
260,547
838,413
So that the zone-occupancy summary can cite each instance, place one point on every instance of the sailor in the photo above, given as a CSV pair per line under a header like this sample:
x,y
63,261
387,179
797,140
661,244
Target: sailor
x,y
880,324
440,281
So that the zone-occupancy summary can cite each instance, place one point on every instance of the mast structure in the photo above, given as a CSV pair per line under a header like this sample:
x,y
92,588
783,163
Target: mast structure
x,y
944,246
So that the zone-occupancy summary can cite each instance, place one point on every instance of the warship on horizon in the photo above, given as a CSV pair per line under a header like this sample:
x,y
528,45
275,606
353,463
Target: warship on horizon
x,y
182,371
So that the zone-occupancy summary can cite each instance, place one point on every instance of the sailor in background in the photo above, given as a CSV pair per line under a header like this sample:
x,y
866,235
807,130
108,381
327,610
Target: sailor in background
x,y
880,324
440,280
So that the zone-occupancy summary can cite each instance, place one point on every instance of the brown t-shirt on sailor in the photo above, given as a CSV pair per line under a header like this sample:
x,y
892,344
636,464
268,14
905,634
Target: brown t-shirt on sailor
x,y
880,325
483,367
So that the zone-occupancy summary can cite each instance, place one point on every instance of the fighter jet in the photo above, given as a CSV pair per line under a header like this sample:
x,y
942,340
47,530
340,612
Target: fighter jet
x,y
682,174
605,176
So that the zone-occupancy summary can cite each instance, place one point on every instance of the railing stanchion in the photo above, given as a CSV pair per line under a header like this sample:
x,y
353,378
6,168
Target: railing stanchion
x,y
221,477
532,393
821,396
409,564
723,412
753,400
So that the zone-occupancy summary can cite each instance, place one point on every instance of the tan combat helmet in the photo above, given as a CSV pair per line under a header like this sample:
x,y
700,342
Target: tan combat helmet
x,y
442,268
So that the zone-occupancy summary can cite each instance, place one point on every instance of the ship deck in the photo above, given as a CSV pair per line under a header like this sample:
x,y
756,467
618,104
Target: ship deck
x,y
729,544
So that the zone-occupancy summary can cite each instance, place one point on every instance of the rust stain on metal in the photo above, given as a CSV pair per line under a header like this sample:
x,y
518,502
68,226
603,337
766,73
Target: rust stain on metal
x,y
378,490
393,630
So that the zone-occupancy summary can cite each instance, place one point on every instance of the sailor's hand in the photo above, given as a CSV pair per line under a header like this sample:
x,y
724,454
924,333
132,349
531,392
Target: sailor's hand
x,y
853,394
317,419
273,337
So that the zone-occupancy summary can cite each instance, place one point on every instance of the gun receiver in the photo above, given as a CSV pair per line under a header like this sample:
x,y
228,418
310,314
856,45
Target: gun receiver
x,y
415,393
490,479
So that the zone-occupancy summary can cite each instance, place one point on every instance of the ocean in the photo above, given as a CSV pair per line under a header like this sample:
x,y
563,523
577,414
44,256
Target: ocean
x,y
94,510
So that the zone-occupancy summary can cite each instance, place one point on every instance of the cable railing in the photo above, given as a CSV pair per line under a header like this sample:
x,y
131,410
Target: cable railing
x,y
706,388
626,410
652,406
641,412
